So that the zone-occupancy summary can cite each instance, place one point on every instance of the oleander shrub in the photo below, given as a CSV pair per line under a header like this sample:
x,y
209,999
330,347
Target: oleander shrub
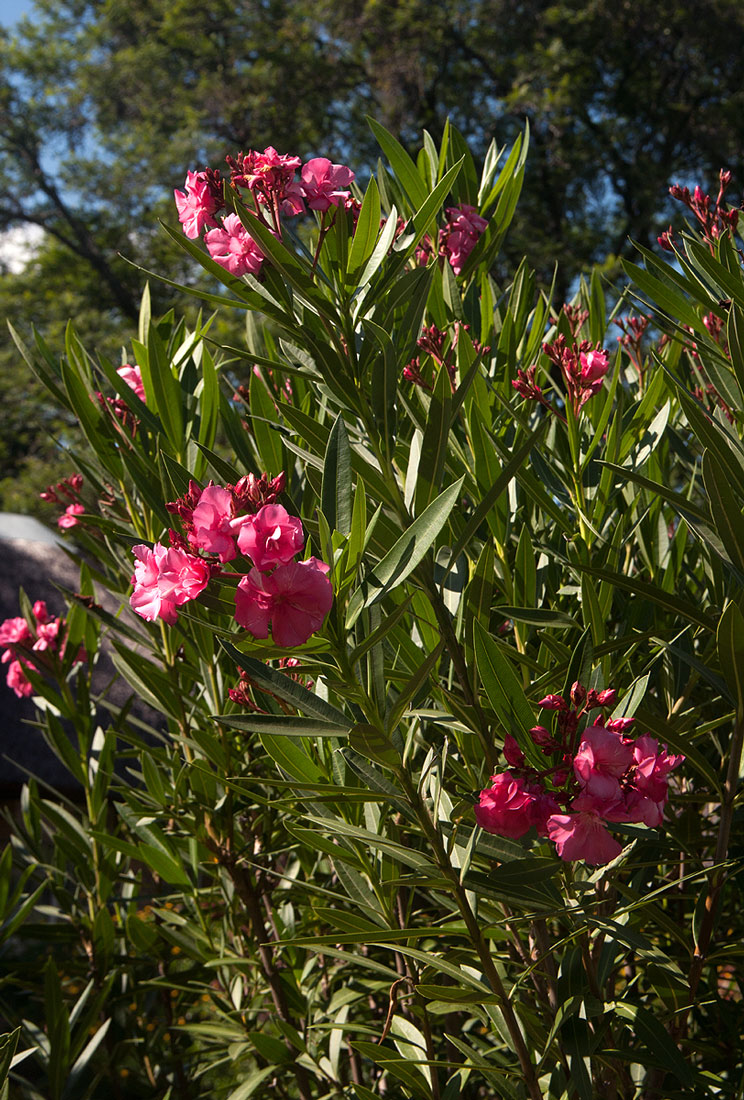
x,y
433,588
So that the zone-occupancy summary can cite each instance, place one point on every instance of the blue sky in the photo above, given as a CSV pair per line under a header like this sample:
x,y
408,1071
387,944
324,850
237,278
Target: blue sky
x,y
12,10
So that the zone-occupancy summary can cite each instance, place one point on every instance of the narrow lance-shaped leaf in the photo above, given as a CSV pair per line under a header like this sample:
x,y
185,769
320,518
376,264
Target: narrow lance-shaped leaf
x,y
505,693
336,493
407,552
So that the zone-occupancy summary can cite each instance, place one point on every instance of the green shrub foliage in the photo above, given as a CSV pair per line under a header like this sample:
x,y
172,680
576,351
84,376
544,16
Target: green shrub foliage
x,y
472,831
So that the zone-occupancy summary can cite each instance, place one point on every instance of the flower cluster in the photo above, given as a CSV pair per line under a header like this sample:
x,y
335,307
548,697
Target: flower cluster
x,y
713,217
68,487
225,521
165,578
598,775
269,177
132,376
33,646
436,344
294,596
583,366
460,235
211,517
633,331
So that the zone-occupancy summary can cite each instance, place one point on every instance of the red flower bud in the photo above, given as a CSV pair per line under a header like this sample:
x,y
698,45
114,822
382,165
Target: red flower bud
x,y
512,752
607,697
578,693
553,702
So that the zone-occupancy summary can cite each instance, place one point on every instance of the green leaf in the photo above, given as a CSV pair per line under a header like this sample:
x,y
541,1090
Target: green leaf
x,y
162,388
265,424
505,693
654,1038
292,758
252,1083
373,744
336,492
367,231
285,688
725,509
168,867
398,1067
672,603
434,444
730,643
404,168
407,552
282,725
384,385
735,338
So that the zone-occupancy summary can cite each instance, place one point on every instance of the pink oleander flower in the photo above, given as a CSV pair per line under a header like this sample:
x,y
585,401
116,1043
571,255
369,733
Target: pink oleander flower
x,y
69,516
253,604
506,807
14,632
323,183
18,681
269,176
41,612
270,537
199,203
646,799
39,646
295,598
232,248
212,518
459,237
132,375
601,761
164,579
582,833
267,171
594,365
512,752
48,635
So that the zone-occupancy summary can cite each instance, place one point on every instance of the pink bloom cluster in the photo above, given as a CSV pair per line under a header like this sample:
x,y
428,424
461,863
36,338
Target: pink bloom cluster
x,y
582,365
212,517
270,178
294,596
132,375
436,344
164,579
224,521
460,235
34,647
200,202
232,248
713,217
69,487
607,776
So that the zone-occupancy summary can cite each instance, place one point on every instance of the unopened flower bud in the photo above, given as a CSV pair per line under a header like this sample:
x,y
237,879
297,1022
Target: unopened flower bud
x,y
578,693
607,697
620,725
512,752
541,736
553,702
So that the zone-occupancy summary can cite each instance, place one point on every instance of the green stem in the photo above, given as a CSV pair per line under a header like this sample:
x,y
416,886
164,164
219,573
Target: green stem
x,y
476,937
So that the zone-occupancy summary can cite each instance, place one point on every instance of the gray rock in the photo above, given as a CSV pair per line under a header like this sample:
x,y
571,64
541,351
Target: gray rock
x,y
34,559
